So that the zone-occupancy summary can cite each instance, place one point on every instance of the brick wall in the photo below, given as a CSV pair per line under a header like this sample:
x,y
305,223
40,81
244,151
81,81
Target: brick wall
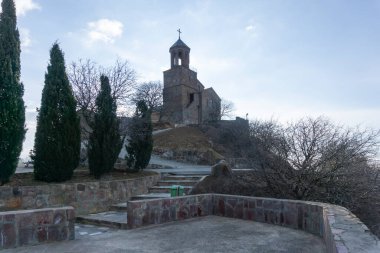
x,y
31,227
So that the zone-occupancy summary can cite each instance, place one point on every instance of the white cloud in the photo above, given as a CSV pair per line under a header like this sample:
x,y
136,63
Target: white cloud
x,y
26,41
104,30
249,28
23,6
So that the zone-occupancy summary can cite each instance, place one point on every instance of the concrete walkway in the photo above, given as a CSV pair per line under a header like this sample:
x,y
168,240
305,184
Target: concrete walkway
x,y
207,234
174,166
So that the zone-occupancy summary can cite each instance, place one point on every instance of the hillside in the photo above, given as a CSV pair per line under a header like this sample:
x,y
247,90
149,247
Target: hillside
x,y
188,144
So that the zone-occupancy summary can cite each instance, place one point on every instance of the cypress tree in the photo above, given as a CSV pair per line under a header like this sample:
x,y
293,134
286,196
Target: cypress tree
x,y
140,145
57,140
12,110
105,143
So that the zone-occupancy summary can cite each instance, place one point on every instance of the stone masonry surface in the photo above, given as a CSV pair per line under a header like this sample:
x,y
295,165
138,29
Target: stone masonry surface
x,y
31,227
86,197
341,231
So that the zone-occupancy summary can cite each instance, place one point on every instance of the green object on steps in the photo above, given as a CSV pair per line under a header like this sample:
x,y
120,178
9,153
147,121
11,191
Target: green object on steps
x,y
176,190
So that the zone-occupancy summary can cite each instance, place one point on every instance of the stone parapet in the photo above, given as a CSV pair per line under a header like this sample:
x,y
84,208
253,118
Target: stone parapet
x,y
157,211
31,227
341,231
85,197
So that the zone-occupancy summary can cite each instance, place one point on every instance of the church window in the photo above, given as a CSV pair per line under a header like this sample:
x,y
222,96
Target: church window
x,y
191,97
209,102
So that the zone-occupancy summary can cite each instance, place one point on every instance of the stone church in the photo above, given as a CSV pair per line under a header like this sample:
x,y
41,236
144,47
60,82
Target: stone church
x,y
185,99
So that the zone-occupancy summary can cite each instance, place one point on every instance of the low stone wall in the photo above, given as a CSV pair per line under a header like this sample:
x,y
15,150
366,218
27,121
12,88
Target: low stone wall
x,y
341,231
31,227
157,211
86,197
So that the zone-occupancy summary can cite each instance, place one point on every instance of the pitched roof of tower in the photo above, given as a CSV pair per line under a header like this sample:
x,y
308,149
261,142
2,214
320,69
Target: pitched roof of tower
x,y
179,43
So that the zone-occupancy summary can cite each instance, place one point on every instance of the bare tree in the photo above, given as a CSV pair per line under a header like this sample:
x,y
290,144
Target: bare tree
x,y
150,93
85,75
84,78
313,158
316,160
226,109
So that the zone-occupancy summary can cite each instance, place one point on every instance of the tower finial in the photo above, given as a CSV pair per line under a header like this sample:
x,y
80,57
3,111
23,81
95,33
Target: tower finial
x,y
179,33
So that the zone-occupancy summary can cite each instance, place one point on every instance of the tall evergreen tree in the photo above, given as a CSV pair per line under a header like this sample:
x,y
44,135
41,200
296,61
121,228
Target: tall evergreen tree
x,y
105,143
140,145
57,140
12,110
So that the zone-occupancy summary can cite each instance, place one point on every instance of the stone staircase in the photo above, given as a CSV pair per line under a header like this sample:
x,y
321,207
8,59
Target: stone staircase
x,y
116,217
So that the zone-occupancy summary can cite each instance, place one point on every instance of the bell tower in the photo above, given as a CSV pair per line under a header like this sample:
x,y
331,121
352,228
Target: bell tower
x,y
184,96
179,53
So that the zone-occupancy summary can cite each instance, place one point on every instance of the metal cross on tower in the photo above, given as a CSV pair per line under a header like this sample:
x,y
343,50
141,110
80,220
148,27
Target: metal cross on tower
x,y
179,33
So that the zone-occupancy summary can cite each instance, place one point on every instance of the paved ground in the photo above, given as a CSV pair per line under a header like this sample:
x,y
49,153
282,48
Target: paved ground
x,y
170,166
24,170
207,234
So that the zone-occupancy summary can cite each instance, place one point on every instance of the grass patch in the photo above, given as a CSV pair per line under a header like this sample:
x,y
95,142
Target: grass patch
x,y
80,175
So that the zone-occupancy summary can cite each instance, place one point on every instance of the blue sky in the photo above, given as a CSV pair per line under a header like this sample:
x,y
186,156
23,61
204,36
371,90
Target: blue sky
x,y
273,58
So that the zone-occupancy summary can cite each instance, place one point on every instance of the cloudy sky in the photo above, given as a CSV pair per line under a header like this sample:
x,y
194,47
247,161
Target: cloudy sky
x,y
281,59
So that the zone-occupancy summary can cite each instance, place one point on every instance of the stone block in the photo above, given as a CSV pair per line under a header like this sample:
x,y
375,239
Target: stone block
x,y
259,214
8,232
59,217
165,216
53,233
229,211
249,214
41,201
70,214
41,233
26,236
220,208
63,233
9,218
250,203
25,220
272,204
71,230
16,191
81,187
238,210
13,203
44,217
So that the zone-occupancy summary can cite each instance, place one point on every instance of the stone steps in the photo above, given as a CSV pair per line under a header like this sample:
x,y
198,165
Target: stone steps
x,y
166,189
151,196
117,216
177,182
182,177
120,207
112,219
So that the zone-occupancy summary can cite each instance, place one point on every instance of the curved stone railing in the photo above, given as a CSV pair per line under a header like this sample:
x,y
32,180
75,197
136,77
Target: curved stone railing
x,y
341,231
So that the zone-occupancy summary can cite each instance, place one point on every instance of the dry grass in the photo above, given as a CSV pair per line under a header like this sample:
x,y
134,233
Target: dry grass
x,y
183,138
80,175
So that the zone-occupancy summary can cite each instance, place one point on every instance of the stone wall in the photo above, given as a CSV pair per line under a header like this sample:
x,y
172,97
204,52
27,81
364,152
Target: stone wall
x,y
87,197
143,213
341,231
31,227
